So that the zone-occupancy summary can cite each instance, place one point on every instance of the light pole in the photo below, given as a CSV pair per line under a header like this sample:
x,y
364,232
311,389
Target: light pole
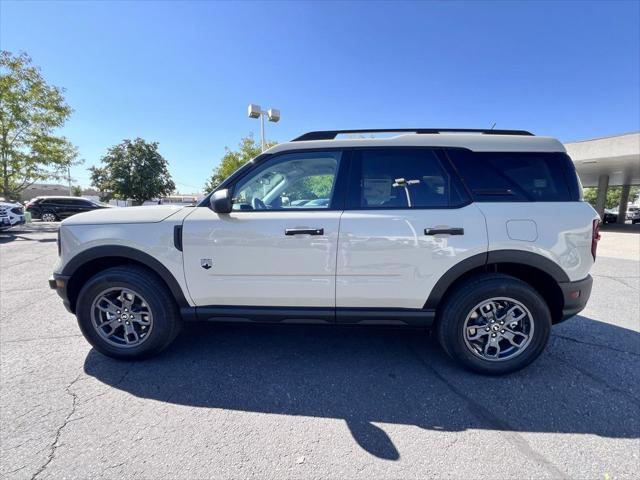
x,y
69,178
273,114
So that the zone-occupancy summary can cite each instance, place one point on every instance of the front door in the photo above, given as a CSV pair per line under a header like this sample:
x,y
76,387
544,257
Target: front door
x,y
407,222
278,246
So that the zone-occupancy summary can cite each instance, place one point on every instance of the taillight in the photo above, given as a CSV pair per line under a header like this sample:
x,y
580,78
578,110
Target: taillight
x,y
595,237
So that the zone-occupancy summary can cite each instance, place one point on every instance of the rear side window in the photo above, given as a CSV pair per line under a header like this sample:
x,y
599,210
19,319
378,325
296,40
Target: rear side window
x,y
517,176
402,178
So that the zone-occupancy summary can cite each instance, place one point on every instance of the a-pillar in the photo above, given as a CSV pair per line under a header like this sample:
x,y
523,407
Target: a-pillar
x,y
624,199
601,199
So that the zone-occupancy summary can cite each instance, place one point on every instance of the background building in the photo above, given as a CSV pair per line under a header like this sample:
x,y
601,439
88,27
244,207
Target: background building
x,y
608,161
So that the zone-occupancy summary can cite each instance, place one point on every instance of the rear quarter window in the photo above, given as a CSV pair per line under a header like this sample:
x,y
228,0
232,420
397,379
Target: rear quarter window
x,y
516,176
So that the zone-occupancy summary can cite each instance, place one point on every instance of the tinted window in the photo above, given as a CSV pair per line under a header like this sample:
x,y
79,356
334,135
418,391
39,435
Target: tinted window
x,y
401,178
516,176
289,182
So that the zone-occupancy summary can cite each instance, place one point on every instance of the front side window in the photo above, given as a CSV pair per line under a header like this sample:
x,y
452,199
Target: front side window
x,y
293,181
401,178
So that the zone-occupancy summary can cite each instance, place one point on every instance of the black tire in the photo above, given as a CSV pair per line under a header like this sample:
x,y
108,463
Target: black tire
x,y
472,292
167,322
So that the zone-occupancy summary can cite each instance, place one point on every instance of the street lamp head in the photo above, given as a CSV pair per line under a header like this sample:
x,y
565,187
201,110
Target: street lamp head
x,y
273,114
254,111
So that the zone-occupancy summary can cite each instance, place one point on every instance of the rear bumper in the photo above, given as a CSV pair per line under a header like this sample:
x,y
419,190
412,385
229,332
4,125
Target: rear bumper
x,y
59,283
575,296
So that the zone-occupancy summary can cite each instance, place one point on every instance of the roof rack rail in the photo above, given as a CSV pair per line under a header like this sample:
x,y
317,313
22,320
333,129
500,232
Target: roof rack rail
x,y
332,134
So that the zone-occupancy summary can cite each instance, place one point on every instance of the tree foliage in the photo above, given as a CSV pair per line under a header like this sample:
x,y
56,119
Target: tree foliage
x,y
310,188
133,170
232,160
30,113
613,195
76,191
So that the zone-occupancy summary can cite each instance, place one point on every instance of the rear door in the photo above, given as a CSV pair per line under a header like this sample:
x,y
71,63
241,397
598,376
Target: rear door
x,y
269,251
408,221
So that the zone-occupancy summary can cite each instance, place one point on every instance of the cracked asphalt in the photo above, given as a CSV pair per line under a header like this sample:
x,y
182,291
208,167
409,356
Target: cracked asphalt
x,y
313,402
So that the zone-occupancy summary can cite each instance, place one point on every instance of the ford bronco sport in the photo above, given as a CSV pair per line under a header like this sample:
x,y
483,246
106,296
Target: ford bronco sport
x,y
480,234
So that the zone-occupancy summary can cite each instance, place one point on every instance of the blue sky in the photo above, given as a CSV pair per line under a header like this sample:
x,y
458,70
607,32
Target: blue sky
x,y
182,73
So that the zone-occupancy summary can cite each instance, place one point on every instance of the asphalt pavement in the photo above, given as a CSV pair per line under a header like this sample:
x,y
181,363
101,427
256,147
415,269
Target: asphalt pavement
x,y
313,402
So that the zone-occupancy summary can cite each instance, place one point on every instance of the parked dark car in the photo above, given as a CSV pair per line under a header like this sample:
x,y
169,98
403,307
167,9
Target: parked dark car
x,y
53,209
610,215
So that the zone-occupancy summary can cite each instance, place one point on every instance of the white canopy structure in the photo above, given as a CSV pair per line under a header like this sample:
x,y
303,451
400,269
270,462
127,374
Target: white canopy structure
x,y
605,161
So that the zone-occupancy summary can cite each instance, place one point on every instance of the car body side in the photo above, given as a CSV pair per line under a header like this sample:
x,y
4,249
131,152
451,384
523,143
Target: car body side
x,y
61,207
386,267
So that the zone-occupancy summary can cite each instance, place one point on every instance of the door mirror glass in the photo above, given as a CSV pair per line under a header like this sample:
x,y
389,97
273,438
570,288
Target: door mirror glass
x,y
220,201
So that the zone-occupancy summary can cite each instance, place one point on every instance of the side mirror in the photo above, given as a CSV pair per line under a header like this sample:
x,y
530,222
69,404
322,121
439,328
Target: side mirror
x,y
220,201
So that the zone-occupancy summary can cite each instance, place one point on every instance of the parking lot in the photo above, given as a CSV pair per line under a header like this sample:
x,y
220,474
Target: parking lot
x,y
313,402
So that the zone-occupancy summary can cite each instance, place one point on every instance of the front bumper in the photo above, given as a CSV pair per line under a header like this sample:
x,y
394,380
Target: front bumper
x,y
59,283
575,296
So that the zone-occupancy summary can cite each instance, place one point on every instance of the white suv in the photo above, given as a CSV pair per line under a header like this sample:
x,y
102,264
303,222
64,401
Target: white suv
x,y
11,214
480,234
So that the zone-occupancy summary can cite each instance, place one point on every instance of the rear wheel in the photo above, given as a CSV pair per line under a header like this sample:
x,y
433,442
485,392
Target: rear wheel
x,y
127,312
494,324
49,217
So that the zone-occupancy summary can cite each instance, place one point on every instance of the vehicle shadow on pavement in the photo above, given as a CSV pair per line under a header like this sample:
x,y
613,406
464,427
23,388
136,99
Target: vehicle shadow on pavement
x,y
379,376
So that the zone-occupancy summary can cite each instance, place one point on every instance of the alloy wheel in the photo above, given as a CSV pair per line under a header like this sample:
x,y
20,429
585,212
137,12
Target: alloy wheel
x,y
122,317
498,329
48,217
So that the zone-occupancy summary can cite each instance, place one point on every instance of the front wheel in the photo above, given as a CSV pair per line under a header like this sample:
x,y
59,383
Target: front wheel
x,y
127,312
494,324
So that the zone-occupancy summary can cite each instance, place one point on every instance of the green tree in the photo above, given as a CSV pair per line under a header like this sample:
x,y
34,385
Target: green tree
x,y
30,113
133,170
613,195
76,191
232,160
309,188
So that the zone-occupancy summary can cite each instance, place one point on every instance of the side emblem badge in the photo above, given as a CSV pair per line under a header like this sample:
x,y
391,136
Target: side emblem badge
x,y
206,263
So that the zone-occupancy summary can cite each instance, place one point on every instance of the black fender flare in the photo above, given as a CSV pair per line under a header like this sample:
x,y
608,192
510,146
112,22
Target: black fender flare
x,y
134,254
493,257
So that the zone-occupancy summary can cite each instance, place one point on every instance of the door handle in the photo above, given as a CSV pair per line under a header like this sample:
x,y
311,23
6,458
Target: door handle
x,y
304,231
440,231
